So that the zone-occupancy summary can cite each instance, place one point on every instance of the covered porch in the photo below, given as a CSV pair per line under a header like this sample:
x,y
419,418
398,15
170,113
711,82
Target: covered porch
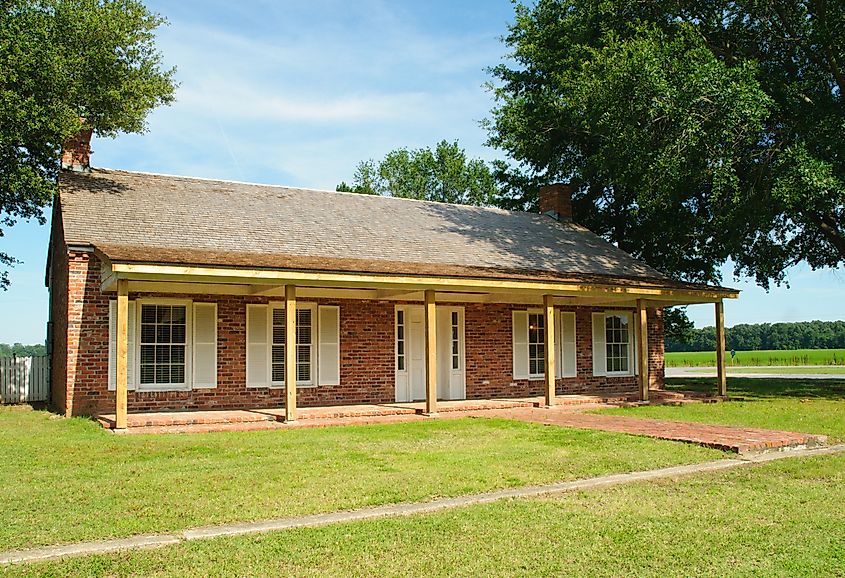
x,y
547,298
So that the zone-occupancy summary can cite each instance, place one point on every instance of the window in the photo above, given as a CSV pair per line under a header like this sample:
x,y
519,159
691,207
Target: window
x,y
456,357
304,346
163,344
400,340
536,344
617,343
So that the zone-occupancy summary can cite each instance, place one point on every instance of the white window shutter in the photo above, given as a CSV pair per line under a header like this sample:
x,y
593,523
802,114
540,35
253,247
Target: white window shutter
x,y
599,349
634,340
130,346
112,345
329,348
558,345
205,345
568,356
257,346
520,345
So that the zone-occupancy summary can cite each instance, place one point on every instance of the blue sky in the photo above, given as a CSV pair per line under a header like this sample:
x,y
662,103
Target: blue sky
x,y
297,93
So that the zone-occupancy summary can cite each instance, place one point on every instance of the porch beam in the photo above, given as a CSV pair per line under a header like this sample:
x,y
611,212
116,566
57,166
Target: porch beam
x,y
290,353
375,281
721,377
642,351
122,354
549,345
430,353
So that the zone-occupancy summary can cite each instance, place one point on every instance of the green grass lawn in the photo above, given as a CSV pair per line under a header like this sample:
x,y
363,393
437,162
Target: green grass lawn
x,y
815,369
776,519
761,357
802,405
67,480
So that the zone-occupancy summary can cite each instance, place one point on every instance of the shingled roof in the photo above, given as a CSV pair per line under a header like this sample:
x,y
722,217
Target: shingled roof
x,y
141,217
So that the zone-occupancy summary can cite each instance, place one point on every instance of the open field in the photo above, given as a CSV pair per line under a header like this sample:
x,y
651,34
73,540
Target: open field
x,y
766,357
773,519
68,480
772,369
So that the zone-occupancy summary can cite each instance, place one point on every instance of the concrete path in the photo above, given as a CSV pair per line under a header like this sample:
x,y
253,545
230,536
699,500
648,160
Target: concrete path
x,y
737,372
159,540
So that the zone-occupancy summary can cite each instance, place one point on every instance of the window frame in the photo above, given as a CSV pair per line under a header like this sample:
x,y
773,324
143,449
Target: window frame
x,y
404,355
542,315
300,306
189,336
630,344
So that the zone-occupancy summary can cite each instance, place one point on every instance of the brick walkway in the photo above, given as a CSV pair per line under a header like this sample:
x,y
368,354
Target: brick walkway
x,y
568,413
727,438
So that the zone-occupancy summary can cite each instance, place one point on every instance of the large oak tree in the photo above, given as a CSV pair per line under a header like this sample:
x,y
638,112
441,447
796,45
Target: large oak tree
x,y
62,61
695,131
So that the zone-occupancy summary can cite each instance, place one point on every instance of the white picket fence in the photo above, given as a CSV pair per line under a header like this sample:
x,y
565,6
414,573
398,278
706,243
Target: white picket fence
x,y
24,379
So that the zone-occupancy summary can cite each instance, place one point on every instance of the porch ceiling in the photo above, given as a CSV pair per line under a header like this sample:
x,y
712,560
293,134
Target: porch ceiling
x,y
158,278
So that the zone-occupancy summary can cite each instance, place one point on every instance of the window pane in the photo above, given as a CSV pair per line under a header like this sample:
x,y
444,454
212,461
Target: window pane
x,y
162,373
148,314
162,354
303,354
178,334
162,314
400,363
278,372
148,354
147,374
303,334
148,333
303,372
177,354
178,314
163,334
400,317
278,354
177,374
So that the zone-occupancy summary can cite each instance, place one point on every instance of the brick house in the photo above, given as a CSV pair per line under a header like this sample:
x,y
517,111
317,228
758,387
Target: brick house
x,y
175,293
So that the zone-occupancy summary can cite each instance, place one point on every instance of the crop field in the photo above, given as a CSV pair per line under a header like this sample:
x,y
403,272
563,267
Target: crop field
x,y
761,358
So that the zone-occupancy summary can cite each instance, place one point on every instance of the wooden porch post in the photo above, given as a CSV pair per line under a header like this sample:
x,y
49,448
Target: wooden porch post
x,y
642,335
290,353
549,352
721,378
430,353
122,353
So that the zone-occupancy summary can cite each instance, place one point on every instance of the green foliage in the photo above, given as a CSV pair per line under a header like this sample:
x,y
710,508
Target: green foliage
x,y
21,350
444,175
62,61
751,337
694,131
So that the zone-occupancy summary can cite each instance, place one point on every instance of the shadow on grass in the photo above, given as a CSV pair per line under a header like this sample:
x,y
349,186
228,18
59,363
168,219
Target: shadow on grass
x,y
764,388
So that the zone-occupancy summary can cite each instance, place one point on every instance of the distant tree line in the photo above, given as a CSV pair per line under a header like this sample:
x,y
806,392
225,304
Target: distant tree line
x,y
749,337
21,350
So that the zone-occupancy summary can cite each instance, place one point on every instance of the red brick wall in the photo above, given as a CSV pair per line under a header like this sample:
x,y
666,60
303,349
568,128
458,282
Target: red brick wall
x,y
366,355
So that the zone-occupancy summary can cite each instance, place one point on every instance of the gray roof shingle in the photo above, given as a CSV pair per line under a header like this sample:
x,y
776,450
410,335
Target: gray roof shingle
x,y
134,216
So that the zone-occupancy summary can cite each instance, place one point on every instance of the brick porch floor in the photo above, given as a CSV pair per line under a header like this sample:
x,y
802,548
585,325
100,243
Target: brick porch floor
x,y
567,413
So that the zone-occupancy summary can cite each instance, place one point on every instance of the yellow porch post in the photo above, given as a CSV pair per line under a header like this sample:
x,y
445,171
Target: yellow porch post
x,y
430,353
549,352
642,335
721,378
290,353
122,353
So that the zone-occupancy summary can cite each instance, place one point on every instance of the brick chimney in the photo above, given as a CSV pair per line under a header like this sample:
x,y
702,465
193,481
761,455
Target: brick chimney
x,y
76,152
556,201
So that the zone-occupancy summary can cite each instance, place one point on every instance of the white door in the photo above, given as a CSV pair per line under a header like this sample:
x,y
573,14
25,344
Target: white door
x,y
410,353
416,348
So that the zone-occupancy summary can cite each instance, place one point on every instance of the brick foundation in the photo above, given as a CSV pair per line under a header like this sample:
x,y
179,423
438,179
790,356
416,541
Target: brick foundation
x,y
80,352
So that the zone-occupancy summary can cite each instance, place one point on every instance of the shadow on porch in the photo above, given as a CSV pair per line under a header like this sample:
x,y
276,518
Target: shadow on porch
x,y
249,419
274,418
